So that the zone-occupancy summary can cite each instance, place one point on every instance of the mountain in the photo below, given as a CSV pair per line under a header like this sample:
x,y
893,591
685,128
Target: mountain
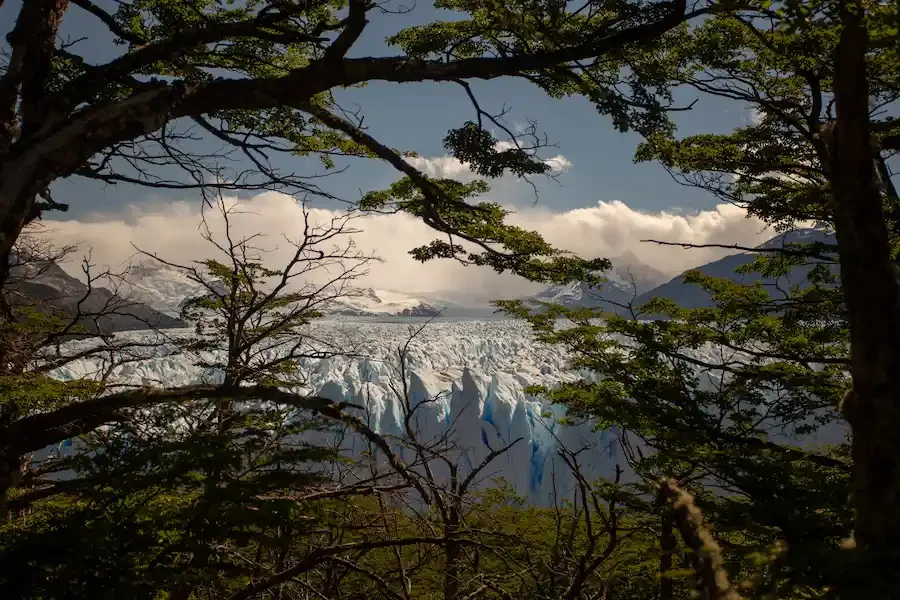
x,y
167,288
164,288
693,296
45,282
380,303
628,277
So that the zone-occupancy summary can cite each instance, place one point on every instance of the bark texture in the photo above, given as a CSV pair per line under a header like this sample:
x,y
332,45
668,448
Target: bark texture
x,y
872,299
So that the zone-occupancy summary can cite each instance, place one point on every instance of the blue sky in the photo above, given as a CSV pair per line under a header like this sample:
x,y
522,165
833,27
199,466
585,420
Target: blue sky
x,y
417,116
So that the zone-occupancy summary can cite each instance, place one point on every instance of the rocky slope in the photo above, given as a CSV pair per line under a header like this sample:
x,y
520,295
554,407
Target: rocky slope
x,y
45,283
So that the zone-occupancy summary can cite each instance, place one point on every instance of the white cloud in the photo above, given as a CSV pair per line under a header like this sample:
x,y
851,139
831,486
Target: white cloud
x,y
613,228
449,167
607,229
444,167
756,116
559,163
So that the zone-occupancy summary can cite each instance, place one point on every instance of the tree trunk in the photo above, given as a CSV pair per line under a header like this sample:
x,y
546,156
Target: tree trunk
x,y
20,201
667,549
452,554
872,299
9,476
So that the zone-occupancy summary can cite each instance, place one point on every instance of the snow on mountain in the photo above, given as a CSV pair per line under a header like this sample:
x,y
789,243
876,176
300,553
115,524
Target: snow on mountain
x,y
163,287
458,304
628,278
33,279
650,283
380,303
166,289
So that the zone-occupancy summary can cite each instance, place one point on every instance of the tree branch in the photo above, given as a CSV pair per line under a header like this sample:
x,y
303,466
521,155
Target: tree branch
x,y
713,579
317,556
109,21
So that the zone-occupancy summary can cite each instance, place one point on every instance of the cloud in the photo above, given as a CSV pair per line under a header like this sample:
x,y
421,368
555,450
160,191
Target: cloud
x,y
606,229
756,116
613,228
449,167
559,163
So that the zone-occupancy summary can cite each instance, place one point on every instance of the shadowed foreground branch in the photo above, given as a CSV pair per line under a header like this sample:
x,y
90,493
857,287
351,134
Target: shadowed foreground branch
x,y
712,579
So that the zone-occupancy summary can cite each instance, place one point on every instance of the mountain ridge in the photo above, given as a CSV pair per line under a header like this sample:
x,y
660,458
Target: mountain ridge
x,y
628,278
41,281
689,295
166,289
618,293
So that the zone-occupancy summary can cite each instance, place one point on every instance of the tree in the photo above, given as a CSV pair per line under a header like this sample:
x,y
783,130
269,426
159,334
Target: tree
x,y
257,77
62,117
494,544
209,489
37,322
217,491
821,79
817,74
713,397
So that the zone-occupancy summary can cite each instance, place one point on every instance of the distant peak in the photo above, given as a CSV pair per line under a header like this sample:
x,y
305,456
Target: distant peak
x,y
147,264
808,235
626,258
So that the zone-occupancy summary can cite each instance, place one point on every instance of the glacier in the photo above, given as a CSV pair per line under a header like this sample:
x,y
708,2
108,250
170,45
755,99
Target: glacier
x,y
467,380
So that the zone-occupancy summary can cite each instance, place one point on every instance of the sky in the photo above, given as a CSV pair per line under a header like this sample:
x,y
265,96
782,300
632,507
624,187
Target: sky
x,y
601,203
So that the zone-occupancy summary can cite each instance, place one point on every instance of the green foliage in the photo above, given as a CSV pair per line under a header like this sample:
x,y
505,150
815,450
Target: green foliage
x,y
252,313
780,65
142,516
627,86
707,393
178,494
205,498
31,393
481,225
705,390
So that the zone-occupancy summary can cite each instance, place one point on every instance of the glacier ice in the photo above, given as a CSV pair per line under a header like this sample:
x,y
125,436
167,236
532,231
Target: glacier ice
x,y
467,380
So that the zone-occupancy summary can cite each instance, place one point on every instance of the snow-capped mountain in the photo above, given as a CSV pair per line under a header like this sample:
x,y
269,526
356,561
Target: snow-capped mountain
x,y
380,303
166,289
650,283
35,280
628,278
163,287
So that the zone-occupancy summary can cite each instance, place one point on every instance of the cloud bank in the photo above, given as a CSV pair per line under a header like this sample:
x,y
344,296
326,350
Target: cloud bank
x,y
610,228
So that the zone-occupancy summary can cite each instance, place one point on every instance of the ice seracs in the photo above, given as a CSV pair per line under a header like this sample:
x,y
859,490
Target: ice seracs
x,y
466,379
467,382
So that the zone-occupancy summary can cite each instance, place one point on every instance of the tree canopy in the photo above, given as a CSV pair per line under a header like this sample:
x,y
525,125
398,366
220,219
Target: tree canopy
x,y
205,491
